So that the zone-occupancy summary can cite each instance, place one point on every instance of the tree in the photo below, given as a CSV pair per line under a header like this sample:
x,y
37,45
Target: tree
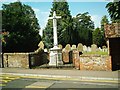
x,y
20,21
83,27
114,11
64,25
97,37
103,21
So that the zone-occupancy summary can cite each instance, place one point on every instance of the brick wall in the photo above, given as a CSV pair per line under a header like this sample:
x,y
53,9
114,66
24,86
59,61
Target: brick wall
x,y
16,60
38,59
95,62
25,60
82,62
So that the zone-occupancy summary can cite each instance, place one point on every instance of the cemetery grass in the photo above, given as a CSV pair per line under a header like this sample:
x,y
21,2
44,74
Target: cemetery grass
x,y
95,53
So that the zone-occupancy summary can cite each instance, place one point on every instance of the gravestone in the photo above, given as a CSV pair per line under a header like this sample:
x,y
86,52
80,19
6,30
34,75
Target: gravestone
x,y
89,49
60,46
85,48
104,48
73,47
55,52
65,53
80,47
93,47
100,49
41,45
68,47
45,50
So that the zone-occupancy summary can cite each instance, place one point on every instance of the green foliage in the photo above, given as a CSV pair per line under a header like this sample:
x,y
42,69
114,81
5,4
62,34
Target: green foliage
x,y
0,19
99,33
64,25
98,37
83,26
20,21
70,30
114,11
103,21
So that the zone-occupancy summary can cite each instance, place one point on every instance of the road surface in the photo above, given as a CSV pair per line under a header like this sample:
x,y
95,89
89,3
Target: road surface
x,y
25,82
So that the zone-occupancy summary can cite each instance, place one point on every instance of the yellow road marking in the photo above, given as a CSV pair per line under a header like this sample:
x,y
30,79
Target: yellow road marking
x,y
40,77
11,78
2,84
53,78
6,75
110,81
5,81
35,87
71,79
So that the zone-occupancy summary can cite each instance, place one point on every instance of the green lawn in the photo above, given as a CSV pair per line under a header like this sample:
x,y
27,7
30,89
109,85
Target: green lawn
x,y
96,53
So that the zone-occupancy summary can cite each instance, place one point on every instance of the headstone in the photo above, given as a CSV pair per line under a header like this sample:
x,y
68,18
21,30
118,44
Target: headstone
x,y
80,47
85,48
68,47
73,47
41,45
45,50
89,49
65,53
93,47
60,46
104,48
63,49
100,49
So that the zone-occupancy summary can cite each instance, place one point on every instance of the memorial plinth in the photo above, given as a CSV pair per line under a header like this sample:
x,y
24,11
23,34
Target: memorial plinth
x,y
55,57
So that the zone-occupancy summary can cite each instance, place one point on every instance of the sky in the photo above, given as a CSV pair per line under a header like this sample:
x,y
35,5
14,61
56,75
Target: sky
x,y
42,9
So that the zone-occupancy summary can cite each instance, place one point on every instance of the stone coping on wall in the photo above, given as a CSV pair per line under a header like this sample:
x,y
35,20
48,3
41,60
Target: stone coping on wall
x,y
16,53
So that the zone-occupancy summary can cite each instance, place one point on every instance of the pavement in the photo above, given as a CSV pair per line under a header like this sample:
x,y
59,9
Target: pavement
x,y
65,74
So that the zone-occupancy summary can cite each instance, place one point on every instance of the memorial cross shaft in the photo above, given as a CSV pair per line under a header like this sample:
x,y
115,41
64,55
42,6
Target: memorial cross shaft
x,y
54,17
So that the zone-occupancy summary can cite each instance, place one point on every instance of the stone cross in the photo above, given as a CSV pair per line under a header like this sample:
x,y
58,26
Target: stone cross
x,y
55,28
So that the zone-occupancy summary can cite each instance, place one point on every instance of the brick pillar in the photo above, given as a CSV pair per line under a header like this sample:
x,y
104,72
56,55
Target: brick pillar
x,y
76,59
